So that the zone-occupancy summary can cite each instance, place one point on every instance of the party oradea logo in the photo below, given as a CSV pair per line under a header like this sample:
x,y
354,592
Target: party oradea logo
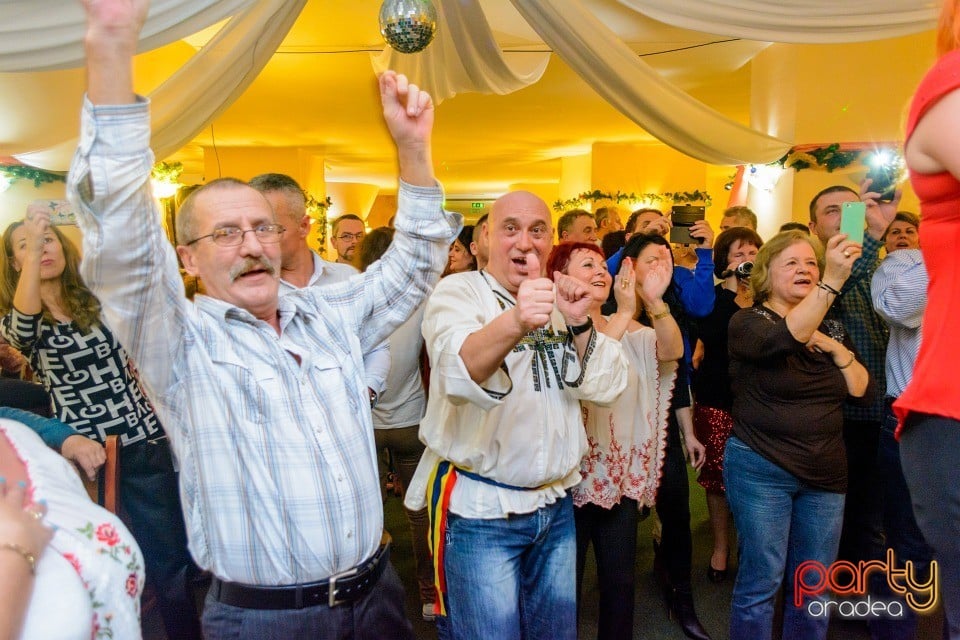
x,y
842,588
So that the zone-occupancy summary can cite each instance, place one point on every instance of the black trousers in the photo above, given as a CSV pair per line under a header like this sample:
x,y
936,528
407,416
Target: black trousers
x,y
613,533
673,509
862,535
928,447
28,396
151,498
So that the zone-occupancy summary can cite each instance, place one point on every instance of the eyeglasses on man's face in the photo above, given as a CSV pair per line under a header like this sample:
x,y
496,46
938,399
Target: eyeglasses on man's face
x,y
233,236
347,237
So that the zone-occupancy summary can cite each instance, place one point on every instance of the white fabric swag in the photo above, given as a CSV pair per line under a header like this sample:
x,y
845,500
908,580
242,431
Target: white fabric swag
x,y
206,85
39,35
640,93
797,21
47,34
464,57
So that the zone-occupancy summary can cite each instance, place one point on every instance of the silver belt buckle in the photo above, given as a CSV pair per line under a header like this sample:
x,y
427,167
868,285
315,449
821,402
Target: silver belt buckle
x,y
332,585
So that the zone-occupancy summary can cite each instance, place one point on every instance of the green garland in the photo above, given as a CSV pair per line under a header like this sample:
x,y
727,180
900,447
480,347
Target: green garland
x,y
829,158
317,210
22,172
168,172
596,195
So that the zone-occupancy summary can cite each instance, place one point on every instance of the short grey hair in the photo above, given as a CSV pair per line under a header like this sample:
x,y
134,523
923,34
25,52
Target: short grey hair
x,y
186,225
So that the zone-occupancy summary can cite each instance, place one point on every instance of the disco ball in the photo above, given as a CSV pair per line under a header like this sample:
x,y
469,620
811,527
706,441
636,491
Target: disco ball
x,y
408,25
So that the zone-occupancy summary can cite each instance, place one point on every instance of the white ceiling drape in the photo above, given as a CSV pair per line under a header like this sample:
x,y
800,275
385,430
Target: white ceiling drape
x,y
40,35
639,92
47,34
206,85
796,21
464,57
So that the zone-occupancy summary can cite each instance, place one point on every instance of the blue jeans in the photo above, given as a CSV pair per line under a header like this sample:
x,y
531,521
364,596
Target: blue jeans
x,y
781,522
513,577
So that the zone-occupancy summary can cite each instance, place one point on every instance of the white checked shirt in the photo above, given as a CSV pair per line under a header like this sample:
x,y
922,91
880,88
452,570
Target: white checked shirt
x,y
278,474
376,362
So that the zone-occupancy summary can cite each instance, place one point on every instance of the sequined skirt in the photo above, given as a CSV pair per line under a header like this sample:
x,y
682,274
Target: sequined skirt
x,y
712,427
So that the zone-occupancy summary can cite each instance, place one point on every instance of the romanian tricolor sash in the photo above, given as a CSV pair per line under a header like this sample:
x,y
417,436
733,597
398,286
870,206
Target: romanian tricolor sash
x,y
442,479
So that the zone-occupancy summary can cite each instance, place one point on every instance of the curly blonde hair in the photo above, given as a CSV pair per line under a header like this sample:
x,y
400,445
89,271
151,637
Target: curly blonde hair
x,y
760,276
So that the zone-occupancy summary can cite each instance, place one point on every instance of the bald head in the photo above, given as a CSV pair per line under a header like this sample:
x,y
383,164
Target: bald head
x,y
519,202
519,225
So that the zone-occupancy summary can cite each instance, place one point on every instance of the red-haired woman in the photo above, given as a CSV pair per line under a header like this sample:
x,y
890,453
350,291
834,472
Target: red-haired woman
x,y
622,467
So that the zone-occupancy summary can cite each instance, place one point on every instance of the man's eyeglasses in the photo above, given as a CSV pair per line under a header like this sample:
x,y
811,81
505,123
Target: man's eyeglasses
x,y
347,237
233,236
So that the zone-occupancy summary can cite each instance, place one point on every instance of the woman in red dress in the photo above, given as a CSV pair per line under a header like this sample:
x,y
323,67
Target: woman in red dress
x,y
929,409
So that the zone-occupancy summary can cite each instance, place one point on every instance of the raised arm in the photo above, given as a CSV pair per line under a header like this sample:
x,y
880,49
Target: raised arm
x,y
36,224
408,112
806,316
651,290
113,28
128,261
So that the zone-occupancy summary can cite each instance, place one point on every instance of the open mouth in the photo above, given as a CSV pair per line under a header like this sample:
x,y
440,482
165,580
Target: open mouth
x,y
598,283
252,273
521,264
803,281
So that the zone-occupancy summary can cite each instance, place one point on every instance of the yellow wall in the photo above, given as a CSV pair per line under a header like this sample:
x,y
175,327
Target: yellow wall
x,y
811,94
14,201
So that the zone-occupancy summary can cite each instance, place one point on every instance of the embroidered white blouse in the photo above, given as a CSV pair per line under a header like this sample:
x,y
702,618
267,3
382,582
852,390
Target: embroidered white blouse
x,y
90,577
626,441
522,426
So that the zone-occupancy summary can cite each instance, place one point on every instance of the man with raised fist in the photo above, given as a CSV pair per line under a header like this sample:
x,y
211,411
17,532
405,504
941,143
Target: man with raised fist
x,y
511,355
263,397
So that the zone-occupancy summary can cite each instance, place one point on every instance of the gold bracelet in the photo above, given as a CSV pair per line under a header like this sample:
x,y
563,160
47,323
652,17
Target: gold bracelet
x,y
663,314
852,358
23,553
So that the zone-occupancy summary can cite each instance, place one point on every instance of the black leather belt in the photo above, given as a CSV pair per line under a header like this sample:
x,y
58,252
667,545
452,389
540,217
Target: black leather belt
x,y
345,586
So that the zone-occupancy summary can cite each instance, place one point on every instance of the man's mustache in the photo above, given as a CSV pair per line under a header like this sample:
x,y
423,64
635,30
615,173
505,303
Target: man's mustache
x,y
252,264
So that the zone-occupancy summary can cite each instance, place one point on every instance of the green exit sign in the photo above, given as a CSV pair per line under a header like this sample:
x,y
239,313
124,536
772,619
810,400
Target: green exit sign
x,y
476,205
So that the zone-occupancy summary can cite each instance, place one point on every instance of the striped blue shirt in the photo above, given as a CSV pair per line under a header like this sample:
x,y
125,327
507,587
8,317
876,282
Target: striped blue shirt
x,y
899,293
278,471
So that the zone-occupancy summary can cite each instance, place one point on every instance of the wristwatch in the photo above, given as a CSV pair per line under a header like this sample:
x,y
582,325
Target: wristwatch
x,y
576,330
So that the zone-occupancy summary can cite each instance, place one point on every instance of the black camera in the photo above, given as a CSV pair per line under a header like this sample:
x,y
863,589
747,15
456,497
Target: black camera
x,y
742,271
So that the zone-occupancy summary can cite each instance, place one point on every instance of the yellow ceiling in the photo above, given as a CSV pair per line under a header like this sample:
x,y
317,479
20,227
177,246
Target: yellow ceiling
x,y
318,96
319,91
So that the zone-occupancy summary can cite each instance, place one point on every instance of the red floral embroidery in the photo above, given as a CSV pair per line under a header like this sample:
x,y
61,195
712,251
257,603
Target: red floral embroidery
x,y
72,559
107,534
132,585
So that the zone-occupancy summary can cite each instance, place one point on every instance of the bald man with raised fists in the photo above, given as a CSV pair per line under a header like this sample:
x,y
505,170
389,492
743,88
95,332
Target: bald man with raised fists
x,y
512,353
